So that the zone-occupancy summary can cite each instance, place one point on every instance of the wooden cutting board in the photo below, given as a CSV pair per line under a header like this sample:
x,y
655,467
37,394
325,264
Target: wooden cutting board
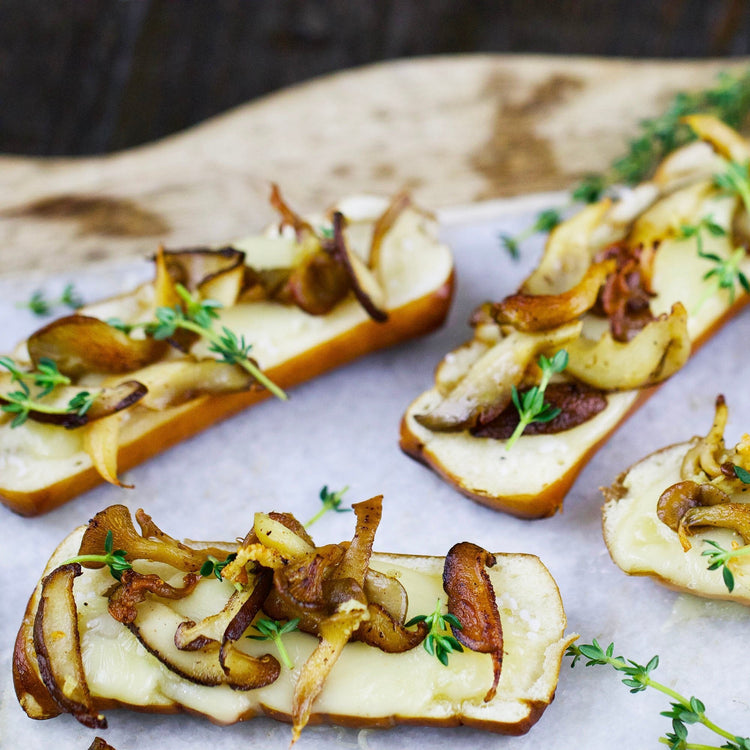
x,y
453,129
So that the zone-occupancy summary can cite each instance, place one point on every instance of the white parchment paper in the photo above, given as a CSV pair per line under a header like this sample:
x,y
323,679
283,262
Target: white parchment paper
x,y
341,430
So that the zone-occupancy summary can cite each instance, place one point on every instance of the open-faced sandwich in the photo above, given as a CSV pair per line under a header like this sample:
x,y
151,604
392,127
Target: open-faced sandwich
x,y
275,625
623,293
216,330
682,515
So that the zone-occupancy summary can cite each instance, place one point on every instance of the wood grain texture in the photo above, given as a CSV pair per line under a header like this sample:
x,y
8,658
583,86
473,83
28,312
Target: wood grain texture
x,y
453,129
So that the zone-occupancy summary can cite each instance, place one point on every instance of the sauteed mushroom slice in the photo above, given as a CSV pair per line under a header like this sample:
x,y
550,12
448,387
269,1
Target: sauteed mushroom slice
x,y
335,632
155,625
681,497
486,388
58,647
316,284
660,349
61,408
116,518
471,598
540,312
364,284
79,344
178,381
733,516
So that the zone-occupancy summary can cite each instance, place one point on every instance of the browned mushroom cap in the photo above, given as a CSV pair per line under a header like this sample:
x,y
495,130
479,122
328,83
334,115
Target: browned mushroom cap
x,y
162,548
79,344
471,598
538,312
681,497
316,284
58,647
133,588
382,630
364,284
734,516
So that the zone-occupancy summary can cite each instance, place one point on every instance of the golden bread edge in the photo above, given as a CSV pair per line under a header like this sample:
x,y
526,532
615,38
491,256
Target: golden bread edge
x,y
416,318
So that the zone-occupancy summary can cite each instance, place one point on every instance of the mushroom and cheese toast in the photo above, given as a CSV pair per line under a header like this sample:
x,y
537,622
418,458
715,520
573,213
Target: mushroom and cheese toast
x,y
682,515
623,292
274,625
217,330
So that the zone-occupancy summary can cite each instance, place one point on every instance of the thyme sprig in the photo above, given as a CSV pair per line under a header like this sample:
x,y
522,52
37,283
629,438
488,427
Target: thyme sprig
x,y
273,630
742,474
720,558
113,559
546,221
729,101
439,641
197,316
46,377
683,711
331,501
213,566
532,406
735,180
41,306
726,272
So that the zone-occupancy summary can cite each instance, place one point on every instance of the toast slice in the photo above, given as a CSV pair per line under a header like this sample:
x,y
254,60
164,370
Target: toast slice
x,y
502,681
628,289
307,297
674,513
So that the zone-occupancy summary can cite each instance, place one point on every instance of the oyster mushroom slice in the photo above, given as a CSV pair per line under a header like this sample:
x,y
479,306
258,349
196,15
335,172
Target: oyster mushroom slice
x,y
657,351
471,598
365,285
116,518
388,593
733,516
316,284
486,388
356,560
58,647
399,203
540,312
335,632
233,620
569,251
107,401
705,456
155,626
175,382
724,139
681,497
79,344
197,268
